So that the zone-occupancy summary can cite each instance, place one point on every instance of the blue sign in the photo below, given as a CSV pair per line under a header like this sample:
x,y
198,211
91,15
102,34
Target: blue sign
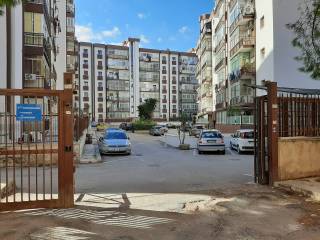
x,y
29,112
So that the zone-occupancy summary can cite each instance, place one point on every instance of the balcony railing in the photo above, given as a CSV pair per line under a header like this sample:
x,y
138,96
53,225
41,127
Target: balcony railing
x,y
244,42
243,15
33,39
242,100
245,71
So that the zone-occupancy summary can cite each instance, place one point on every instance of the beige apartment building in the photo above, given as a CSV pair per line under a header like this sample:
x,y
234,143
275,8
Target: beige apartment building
x,y
116,79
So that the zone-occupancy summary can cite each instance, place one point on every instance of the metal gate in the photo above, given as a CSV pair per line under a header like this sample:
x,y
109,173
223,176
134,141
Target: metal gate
x,y
282,113
36,149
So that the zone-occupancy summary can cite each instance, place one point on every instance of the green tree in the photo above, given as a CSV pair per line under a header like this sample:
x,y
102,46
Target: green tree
x,y
147,108
8,3
307,37
182,128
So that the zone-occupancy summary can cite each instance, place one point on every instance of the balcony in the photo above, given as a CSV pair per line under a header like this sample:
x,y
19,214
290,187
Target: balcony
x,y
221,105
117,56
100,99
164,110
174,110
164,62
220,45
100,56
100,88
174,81
164,81
174,91
100,110
33,39
85,66
85,88
85,77
164,91
174,62
246,14
100,67
245,72
164,71
245,44
242,100
100,77
222,62
85,55
174,72
86,99
174,101
164,101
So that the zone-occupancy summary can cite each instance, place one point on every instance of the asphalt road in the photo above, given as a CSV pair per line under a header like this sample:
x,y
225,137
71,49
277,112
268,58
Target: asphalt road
x,y
158,168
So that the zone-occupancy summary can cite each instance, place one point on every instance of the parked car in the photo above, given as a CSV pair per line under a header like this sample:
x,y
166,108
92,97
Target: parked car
x,y
114,142
156,131
211,141
196,130
94,124
243,140
164,128
126,126
101,126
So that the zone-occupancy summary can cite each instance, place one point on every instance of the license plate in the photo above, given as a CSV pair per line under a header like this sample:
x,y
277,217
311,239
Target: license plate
x,y
212,141
116,149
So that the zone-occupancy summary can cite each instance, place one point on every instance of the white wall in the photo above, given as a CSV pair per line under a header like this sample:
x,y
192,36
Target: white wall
x,y
264,39
134,78
286,71
3,54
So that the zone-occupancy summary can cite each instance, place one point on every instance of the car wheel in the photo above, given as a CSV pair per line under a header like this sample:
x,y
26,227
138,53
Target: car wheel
x,y
200,152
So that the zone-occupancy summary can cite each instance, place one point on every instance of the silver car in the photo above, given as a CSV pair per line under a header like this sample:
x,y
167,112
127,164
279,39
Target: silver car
x,y
211,141
114,142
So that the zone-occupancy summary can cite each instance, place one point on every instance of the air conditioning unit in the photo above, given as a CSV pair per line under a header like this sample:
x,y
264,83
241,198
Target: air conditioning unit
x,y
249,9
30,77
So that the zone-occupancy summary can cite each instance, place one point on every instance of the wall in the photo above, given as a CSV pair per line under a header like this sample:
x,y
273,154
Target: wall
x,y
298,158
264,39
285,66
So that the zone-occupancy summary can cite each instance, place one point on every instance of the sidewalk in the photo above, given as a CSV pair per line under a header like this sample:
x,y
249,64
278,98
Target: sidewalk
x,y
308,187
91,152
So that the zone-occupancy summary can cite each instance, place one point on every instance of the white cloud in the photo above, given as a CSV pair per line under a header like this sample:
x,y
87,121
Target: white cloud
x,y
86,34
114,32
183,29
159,39
141,15
144,39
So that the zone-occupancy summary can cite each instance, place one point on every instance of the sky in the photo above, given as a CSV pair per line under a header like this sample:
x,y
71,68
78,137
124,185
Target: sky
x,y
160,24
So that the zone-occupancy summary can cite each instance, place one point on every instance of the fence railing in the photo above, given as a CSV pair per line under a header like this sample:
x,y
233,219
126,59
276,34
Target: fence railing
x,y
80,124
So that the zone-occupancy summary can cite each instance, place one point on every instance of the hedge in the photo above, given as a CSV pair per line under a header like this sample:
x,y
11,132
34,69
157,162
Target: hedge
x,y
143,124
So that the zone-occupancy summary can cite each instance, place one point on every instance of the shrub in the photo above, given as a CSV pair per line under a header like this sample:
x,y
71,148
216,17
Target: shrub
x,y
143,124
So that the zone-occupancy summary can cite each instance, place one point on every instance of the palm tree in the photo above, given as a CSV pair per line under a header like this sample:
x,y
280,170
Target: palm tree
x,y
8,3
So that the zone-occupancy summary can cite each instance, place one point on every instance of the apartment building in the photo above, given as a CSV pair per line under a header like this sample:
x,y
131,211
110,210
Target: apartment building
x,y
33,41
204,70
275,59
116,79
232,25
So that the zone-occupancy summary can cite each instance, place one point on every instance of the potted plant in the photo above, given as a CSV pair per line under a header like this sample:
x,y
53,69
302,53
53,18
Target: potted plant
x,y
182,133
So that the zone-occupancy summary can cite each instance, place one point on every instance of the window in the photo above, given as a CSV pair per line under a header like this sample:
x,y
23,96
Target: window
x,y
262,22
100,74
85,51
99,52
174,107
164,78
100,94
85,62
100,84
164,106
163,68
85,84
263,52
86,94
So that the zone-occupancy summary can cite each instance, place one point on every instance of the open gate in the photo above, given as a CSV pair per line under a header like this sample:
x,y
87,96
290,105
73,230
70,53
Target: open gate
x,y
36,149
282,113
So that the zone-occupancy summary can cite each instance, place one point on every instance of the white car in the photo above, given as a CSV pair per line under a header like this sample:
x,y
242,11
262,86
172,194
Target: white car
x,y
243,140
211,141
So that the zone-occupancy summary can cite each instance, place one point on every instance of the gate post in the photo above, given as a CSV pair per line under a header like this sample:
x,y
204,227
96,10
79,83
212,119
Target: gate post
x,y
68,163
273,131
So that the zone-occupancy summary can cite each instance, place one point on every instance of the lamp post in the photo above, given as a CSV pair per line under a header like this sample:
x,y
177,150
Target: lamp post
x,y
241,114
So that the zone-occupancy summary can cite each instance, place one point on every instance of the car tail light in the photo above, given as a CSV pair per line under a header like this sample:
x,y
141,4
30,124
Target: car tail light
x,y
200,141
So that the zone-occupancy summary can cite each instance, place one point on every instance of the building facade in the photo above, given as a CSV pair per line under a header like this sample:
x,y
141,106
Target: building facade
x,y
115,80
232,64
34,40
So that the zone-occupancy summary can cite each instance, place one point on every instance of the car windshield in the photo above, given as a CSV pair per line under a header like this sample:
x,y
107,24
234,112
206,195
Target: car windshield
x,y
199,127
115,135
211,135
158,127
247,135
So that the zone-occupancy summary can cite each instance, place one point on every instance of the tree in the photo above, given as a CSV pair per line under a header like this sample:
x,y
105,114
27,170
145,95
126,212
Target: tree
x,y
182,128
147,108
8,3
307,39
